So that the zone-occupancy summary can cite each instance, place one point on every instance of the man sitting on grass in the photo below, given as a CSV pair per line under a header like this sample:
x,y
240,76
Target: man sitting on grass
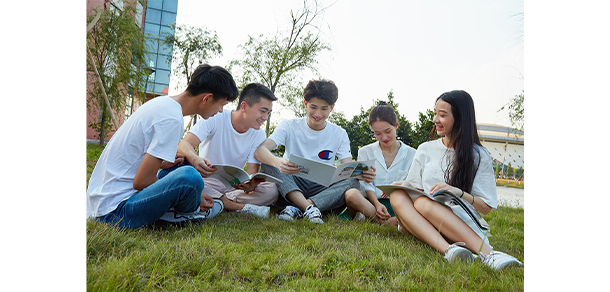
x,y
231,138
124,188
314,138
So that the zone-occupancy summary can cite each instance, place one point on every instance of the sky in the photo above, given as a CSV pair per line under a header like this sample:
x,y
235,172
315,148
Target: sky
x,y
417,49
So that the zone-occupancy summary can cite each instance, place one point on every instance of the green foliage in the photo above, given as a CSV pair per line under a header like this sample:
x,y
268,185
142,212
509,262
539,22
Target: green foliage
x,y
191,46
509,171
424,129
515,111
497,173
241,252
277,61
118,47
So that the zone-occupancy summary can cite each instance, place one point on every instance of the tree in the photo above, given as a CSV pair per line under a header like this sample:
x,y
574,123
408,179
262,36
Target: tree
x,y
191,46
277,61
497,173
117,51
359,131
509,171
515,111
424,129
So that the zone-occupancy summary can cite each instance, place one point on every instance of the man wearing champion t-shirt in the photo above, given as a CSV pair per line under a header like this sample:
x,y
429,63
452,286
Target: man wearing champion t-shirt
x,y
231,138
314,138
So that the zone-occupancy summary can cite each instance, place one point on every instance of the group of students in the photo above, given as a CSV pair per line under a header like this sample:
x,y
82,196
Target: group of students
x,y
148,174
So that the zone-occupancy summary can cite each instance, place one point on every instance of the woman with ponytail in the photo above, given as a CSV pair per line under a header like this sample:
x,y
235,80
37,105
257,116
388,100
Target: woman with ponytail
x,y
459,164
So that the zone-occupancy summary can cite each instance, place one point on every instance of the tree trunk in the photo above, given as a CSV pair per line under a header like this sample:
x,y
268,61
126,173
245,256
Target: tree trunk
x,y
102,127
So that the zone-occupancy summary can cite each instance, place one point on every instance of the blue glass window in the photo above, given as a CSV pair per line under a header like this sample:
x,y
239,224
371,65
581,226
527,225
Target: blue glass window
x,y
170,5
168,18
162,62
152,29
153,45
157,4
153,16
162,76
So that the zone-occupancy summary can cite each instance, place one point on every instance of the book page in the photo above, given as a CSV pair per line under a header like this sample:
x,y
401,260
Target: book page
x,y
351,169
413,192
229,175
315,171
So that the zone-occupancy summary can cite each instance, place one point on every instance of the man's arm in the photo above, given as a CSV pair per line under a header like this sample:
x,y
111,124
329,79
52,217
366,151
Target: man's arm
x,y
264,155
147,172
187,148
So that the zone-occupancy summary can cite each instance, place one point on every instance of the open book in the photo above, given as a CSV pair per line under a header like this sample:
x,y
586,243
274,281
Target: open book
x,y
230,175
444,197
326,174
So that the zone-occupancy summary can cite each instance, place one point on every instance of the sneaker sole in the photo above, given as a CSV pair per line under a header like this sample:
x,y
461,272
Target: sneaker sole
x,y
511,265
464,256
316,220
285,217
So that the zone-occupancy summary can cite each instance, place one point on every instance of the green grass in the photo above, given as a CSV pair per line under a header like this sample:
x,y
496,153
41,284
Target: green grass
x,y
241,252
511,183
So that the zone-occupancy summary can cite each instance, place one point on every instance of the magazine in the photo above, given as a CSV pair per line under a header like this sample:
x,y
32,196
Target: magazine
x,y
326,174
444,197
230,175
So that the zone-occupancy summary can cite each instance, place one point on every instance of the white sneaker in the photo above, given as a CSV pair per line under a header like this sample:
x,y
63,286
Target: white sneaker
x,y
456,252
260,211
359,217
499,260
312,213
289,213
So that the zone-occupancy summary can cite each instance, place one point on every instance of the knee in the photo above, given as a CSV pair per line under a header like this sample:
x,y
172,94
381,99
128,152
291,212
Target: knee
x,y
350,195
423,205
190,176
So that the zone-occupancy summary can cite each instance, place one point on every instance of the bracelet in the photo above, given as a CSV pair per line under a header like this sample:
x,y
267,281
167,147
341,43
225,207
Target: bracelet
x,y
472,200
462,193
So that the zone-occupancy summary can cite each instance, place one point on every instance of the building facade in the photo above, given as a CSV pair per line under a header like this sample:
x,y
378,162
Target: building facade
x,y
155,18
505,145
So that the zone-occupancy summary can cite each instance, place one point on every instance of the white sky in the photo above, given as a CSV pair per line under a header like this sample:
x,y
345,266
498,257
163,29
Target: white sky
x,y
418,49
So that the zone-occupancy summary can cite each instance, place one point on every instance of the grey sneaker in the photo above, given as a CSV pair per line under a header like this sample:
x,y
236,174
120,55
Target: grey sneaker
x,y
499,260
312,213
173,217
289,213
260,211
456,252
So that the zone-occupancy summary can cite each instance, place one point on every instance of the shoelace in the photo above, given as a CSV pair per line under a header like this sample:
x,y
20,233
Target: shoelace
x,y
313,212
292,211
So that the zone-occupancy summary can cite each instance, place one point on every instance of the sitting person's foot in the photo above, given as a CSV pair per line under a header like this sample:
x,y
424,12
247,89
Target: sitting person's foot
x,y
456,252
313,214
289,213
173,217
260,211
499,260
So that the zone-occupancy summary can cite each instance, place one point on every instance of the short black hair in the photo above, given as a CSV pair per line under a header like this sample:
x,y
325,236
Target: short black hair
x,y
215,80
323,89
253,92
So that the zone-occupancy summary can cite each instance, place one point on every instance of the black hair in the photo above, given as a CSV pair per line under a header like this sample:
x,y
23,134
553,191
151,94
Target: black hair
x,y
464,136
253,92
212,79
323,89
383,112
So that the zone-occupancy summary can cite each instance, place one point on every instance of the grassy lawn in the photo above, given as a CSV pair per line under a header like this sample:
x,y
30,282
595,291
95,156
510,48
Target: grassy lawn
x,y
241,252
510,183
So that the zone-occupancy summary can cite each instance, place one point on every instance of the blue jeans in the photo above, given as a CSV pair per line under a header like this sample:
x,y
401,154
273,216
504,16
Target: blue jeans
x,y
179,189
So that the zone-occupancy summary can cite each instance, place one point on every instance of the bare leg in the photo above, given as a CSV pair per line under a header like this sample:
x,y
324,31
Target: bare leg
x,y
231,205
297,198
450,225
356,202
412,221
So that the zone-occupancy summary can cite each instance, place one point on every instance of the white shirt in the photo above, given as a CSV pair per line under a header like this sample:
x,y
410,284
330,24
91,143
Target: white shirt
x,y
155,128
301,140
221,144
430,163
384,175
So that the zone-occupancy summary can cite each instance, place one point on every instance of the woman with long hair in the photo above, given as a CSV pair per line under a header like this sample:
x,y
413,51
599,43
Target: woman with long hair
x,y
393,159
458,163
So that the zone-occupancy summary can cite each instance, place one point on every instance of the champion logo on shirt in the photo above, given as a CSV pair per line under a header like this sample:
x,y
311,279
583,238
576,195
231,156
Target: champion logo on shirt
x,y
325,154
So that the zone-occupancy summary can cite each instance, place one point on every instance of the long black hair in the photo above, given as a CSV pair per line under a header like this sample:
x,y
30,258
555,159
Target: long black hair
x,y
463,167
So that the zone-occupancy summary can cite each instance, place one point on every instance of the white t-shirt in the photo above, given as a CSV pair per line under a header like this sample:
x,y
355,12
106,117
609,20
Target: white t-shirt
x,y
384,175
431,161
221,144
155,128
301,140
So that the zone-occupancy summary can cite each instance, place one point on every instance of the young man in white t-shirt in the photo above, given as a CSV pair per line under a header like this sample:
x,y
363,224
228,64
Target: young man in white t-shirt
x,y
231,138
124,188
314,138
